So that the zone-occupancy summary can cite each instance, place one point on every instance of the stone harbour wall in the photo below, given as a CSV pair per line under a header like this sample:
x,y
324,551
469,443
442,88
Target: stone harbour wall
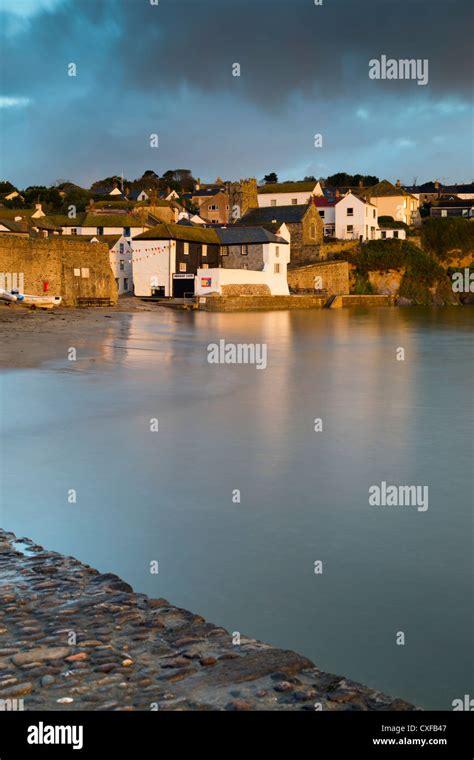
x,y
334,277
72,639
71,268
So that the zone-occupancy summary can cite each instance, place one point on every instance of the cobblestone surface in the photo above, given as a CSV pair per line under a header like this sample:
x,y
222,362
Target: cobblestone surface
x,y
74,639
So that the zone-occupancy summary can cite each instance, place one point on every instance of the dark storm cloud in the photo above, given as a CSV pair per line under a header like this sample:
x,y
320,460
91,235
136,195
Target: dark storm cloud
x,y
167,67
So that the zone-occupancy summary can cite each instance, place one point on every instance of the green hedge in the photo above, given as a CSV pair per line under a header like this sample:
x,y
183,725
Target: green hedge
x,y
440,235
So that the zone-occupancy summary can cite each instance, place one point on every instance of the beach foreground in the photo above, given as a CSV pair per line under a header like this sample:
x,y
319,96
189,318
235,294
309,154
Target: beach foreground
x,y
74,639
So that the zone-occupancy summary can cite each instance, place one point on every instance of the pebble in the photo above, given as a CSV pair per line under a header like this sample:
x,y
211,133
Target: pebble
x,y
47,680
40,655
65,701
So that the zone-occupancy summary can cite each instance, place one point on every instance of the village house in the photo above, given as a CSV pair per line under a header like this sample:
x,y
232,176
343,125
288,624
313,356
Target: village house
x,y
166,259
249,257
390,230
303,222
392,200
288,193
356,219
138,195
213,205
452,205
120,256
327,212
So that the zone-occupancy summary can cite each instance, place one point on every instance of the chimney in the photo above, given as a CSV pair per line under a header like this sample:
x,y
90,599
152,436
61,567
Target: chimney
x,y
436,184
361,184
398,183
338,194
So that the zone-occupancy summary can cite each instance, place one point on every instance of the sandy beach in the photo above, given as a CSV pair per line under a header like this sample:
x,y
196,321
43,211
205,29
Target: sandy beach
x,y
30,338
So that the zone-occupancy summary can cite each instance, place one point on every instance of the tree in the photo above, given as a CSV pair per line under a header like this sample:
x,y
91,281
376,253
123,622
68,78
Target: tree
x,y
49,197
6,187
310,179
270,179
150,173
76,197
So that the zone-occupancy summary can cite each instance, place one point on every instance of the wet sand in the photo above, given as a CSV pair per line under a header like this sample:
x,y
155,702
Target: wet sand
x,y
30,338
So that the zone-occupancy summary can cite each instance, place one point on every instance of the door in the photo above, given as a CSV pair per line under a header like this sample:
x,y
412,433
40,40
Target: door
x,y
182,287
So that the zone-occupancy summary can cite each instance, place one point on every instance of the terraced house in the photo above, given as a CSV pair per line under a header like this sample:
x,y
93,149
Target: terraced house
x,y
288,193
166,259
303,222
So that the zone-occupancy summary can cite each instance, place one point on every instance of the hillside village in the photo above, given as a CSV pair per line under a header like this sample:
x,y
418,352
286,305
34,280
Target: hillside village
x,y
180,241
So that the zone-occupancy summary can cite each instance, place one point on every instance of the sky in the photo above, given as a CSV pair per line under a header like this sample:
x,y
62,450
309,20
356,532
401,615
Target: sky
x,y
166,68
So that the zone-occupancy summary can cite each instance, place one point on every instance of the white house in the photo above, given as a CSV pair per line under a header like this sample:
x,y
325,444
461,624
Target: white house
x,y
249,256
355,219
120,256
288,193
327,212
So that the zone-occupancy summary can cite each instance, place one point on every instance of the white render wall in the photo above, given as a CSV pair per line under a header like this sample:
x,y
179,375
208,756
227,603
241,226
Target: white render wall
x,y
390,234
154,262
277,283
116,255
282,199
363,221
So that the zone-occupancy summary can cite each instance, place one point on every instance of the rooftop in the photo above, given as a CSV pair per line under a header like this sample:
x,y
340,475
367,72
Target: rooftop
x,y
247,235
257,217
166,231
287,187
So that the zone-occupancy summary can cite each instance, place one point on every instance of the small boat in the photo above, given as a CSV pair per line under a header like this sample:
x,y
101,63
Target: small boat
x,y
34,302
7,297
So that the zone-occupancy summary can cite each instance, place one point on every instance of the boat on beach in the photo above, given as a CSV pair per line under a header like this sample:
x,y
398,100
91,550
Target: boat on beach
x,y
33,302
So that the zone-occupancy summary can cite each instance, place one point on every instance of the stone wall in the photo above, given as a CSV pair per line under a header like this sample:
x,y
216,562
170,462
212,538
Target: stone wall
x,y
334,277
305,246
260,303
246,290
337,248
242,194
234,258
73,269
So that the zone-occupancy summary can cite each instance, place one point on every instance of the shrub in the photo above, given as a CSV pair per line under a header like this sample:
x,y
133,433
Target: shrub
x,y
442,235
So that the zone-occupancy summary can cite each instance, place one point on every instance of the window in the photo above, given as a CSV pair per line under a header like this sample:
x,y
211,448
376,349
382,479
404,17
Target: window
x,y
395,233
100,231
73,230
126,231
77,273
373,213
384,235
277,251
204,249
312,230
214,208
125,283
182,267
273,203
464,212
350,228
294,201
321,213
444,212
122,265
205,266
186,249
245,266
224,251
227,208
245,250
121,247
277,268
350,212
85,272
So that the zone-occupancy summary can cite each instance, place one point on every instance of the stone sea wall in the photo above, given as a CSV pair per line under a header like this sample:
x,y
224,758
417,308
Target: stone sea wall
x,y
74,639
71,268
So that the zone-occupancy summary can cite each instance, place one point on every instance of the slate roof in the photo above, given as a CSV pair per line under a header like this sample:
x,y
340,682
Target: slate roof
x,y
166,231
321,202
247,235
111,220
13,226
256,217
381,189
287,187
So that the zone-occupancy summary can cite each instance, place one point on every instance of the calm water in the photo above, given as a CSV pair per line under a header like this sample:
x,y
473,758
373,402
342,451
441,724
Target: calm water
x,y
167,496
